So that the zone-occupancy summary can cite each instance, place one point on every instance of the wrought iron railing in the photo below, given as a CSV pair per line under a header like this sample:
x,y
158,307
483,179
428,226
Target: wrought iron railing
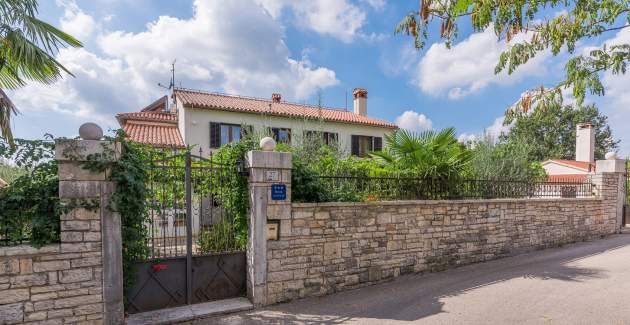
x,y
388,188
185,205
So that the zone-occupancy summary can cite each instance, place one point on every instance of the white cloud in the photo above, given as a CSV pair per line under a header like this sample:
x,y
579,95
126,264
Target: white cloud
x,y
245,54
492,132
76,22
414,121
468,67
337,18
468,138
376,4
497,128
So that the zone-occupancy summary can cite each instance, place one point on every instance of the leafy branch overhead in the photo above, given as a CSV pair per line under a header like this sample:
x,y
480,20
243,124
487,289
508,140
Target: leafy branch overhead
x,y
27,49
548,25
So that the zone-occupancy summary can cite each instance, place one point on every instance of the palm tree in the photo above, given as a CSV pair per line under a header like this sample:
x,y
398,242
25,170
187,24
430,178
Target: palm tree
x,y
428,154
27,46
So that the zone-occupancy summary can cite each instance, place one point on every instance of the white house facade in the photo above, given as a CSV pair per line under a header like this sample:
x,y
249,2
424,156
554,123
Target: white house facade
x,y
584,164
210,120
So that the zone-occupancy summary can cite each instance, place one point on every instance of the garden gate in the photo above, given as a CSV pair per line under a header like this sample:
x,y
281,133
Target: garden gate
x,y
193,255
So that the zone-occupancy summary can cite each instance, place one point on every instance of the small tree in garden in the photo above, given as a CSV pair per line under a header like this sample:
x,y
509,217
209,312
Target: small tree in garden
x,y
505,161
428,154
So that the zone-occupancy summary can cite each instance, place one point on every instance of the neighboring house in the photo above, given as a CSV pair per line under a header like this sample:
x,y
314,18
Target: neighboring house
x,y
210,120
584,164
3,184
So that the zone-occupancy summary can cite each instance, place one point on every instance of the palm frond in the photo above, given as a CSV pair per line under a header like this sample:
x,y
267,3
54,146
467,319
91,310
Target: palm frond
x,y
6,110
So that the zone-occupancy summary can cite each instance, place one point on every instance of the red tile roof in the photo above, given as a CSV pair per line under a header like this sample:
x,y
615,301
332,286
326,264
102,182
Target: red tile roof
x,y
148,116
571,178
154,128
199,99
157,135
572,163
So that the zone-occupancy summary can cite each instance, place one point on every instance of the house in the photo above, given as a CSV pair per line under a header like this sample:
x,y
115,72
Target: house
x,y
210,120
583,166
3,184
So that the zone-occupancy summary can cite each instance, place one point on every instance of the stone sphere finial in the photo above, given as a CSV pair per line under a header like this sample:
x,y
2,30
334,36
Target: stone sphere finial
x,y
90,131
267,144
611,155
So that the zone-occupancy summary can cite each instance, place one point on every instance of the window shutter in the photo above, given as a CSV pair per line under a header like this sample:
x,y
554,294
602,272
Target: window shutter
x,y
215,135
275,132
378,144
355,145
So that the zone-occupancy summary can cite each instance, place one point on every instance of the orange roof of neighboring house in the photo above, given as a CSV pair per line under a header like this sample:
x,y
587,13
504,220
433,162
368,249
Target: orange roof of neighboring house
x,y
155,128
571,178
572,163
199,99
148,116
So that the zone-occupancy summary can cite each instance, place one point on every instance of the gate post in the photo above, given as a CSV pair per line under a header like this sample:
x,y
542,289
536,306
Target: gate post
x,y
94,233
266,168
610,183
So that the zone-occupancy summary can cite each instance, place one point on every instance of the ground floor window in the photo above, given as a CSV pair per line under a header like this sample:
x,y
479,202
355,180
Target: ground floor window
x,y
362,145
281,135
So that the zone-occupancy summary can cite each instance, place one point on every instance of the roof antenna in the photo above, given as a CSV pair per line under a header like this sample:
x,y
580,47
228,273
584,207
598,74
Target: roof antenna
x,y
346,100
171,84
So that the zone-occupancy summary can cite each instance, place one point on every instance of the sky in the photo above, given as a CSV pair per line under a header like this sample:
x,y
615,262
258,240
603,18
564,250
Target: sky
x,y
298,48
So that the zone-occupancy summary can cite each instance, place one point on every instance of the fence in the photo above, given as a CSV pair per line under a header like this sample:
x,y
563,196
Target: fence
x,y
387,188
180,186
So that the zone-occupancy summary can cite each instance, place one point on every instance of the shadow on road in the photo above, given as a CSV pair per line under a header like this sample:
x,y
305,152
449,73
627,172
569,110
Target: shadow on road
x,y
413,297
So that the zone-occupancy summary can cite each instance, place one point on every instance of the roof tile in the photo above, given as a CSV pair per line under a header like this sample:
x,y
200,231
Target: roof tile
x,y
198,99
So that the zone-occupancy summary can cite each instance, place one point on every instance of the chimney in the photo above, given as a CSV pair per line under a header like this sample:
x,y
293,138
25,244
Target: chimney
x,y
275,97
585,143
360,101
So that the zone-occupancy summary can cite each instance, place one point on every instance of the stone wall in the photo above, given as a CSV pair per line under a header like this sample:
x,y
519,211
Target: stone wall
x,y
79,280
328,247
57,283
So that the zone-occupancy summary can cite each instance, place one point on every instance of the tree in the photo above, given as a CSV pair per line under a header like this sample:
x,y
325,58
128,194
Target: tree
x,y
569,22
551,132
429,153
27,46
505,161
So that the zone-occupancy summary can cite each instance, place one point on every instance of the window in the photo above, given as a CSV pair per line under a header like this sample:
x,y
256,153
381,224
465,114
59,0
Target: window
x,y
281,135
329,138
362,145
224,133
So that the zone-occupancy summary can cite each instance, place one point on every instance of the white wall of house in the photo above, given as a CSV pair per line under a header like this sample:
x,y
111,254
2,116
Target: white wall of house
x,y
195,126
557,169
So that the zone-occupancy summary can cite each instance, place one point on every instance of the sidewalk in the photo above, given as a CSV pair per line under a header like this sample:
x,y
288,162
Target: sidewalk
x,y
584,283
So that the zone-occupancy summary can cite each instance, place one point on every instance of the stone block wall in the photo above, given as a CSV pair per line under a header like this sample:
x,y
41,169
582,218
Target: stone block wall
x,y
328,247
79,279
55,284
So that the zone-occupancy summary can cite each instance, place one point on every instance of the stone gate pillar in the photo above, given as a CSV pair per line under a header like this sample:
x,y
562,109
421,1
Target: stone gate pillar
x,y
92,232
610,185
270,209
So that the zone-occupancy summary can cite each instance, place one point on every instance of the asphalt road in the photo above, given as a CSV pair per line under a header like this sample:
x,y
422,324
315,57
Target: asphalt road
x,y
584,283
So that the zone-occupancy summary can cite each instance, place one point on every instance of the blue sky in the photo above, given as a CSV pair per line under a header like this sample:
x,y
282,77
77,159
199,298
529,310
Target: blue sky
x,y
256,47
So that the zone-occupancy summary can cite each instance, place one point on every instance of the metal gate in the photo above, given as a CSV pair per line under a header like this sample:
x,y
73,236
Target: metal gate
x,y
193,252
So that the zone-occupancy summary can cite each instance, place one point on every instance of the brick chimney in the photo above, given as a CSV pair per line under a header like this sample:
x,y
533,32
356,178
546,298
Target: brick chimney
x,y
275,97
360,101
585,143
